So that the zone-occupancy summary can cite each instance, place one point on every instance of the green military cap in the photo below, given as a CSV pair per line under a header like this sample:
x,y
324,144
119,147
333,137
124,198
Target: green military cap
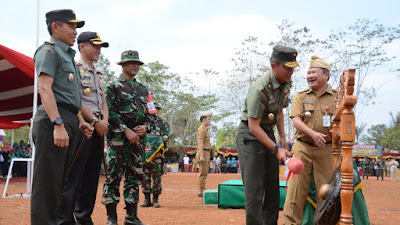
x,y
129,56
91,37
317,62
157,105
285,55
63,15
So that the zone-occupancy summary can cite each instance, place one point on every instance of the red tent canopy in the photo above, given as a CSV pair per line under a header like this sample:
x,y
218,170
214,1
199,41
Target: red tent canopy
x,y
16,90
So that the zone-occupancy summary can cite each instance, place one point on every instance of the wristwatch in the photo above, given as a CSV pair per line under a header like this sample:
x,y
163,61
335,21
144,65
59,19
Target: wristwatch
x,y
95,119
274,150
57,121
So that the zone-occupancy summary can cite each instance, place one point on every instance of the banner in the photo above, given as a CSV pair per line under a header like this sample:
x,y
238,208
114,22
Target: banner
x,y
368,150
155,147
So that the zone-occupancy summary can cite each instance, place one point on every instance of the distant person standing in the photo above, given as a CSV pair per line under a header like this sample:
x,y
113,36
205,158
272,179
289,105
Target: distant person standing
x,y
186,162
204,151
365,164
393,169
218,165
381,168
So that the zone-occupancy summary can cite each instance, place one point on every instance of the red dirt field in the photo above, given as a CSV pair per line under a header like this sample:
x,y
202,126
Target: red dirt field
x,y
180,204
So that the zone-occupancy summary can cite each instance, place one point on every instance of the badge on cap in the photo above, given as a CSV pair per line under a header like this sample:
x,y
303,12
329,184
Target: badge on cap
x,y
70,77
271,116
86,91
307,114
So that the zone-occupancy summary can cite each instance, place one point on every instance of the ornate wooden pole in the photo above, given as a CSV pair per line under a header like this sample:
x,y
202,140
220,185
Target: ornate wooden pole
x,y
344,135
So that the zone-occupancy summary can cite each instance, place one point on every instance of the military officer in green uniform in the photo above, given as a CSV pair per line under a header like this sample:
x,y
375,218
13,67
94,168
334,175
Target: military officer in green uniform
x,y
130,118
57,120
154,169
381,168
259,153
365,165
311,113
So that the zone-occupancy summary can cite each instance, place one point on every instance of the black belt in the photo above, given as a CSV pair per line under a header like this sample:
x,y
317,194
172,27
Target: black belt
x,y
246,122
68,107
327,143
206,149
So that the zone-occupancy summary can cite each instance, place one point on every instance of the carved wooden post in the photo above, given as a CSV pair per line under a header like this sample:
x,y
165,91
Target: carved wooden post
x,y
344,134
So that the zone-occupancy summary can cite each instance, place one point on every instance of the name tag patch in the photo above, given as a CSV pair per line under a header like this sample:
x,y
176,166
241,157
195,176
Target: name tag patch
x,y
308,102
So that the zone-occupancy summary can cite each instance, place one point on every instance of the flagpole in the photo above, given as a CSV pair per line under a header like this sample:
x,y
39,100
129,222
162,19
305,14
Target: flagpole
x,y
35,97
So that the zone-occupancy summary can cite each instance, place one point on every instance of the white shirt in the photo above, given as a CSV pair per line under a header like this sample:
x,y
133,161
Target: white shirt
x,y
186,160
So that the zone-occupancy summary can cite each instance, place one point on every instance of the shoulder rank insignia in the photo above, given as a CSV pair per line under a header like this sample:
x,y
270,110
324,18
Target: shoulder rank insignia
x,y
50,42
50,49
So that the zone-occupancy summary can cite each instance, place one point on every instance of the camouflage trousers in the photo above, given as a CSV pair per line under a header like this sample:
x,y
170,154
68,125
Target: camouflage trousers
x,y
123,159
152,170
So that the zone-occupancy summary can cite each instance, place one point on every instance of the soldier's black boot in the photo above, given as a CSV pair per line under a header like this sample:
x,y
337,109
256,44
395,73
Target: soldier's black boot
x,y
112,214
155,201
146,202
131,215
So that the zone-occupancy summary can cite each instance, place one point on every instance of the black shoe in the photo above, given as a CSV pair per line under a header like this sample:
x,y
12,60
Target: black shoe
x,y
146,202
131,215
155,202
112,214
200,195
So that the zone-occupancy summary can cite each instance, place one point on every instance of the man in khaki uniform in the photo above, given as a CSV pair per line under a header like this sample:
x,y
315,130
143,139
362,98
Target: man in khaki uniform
x,y
259,152
311,113
203,154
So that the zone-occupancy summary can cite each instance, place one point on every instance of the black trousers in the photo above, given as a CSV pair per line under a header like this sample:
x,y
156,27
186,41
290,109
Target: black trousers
x,y
260,174
80,191
50,165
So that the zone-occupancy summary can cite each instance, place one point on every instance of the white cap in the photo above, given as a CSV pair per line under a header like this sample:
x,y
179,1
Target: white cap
x,y
204,113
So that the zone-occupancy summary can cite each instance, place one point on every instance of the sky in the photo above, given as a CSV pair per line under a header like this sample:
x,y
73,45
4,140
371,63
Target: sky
x,y
192,35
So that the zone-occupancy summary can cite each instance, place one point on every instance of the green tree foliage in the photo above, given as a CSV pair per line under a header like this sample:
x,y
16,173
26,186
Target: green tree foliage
x,y
226,136
103,65
21,133
376,133
391,138
250,63
180,101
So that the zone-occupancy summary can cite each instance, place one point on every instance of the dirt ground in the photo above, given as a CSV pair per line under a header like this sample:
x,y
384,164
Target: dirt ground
x,y
180,204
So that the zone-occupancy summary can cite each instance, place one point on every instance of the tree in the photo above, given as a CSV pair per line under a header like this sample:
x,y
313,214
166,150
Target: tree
x,y
180,101
21,133
103,65
359,130
391,138
376,133
362,47
250,63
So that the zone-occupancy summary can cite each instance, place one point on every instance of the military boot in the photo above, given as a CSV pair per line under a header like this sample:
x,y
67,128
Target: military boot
x,y
131,215
155,201
146,202
112,214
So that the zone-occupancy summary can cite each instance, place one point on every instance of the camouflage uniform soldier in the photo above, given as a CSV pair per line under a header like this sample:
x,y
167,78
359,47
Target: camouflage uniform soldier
x,y
130,119
365,166
381,168
154,169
